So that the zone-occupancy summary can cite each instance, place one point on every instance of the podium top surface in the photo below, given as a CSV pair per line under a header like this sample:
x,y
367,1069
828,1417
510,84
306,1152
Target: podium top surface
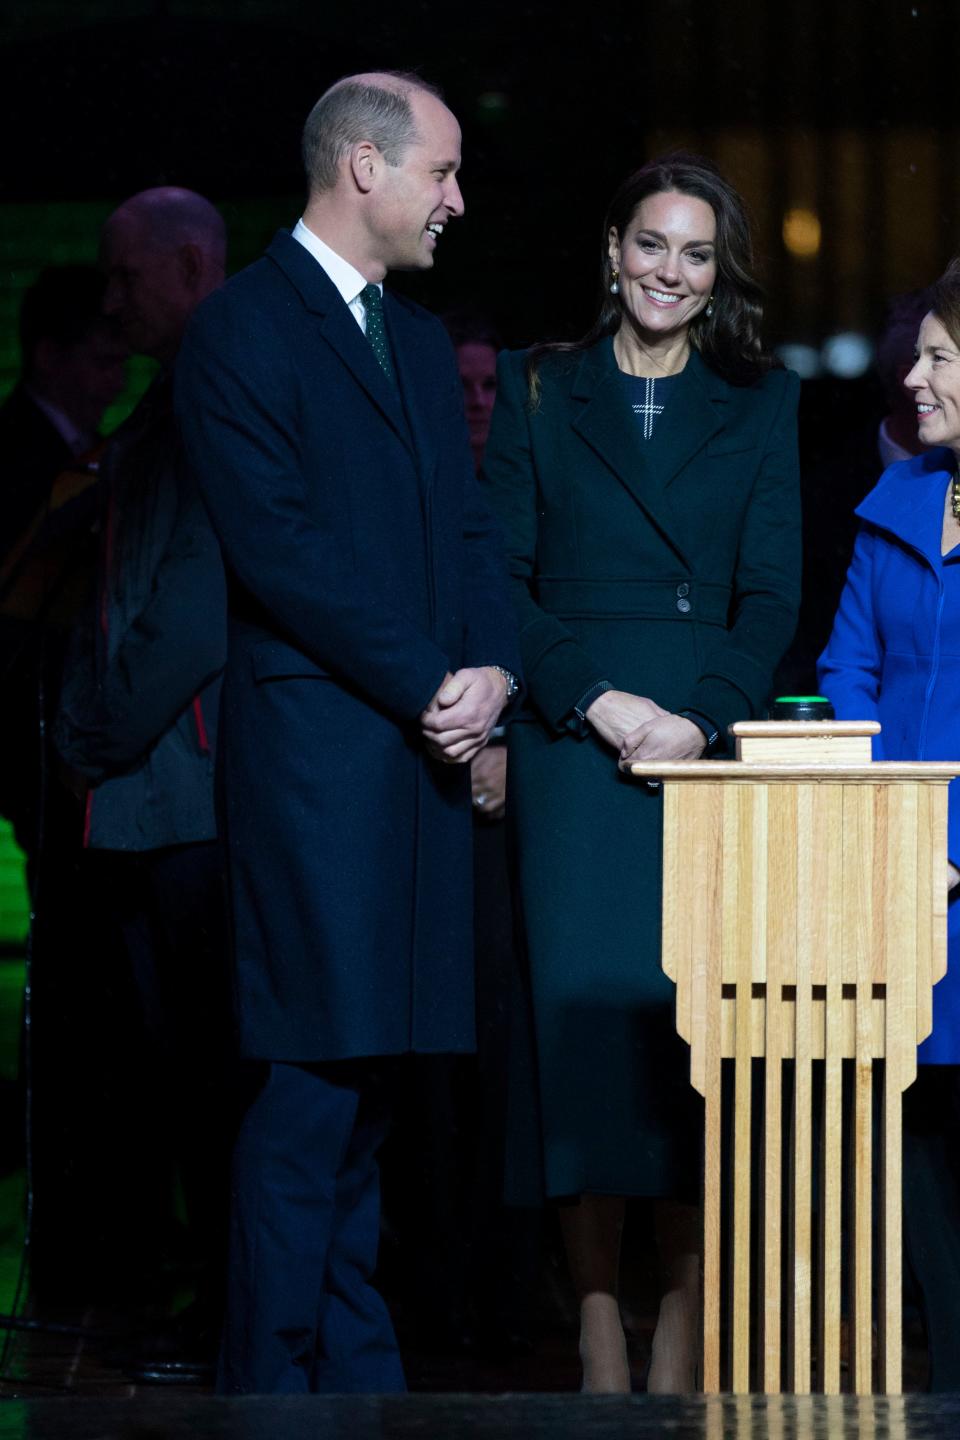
x,y
875,772
766,728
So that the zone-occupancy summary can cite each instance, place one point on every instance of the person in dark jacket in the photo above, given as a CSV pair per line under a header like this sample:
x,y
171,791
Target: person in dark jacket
x,y
138,716
370,641
646,479
894,656
74,366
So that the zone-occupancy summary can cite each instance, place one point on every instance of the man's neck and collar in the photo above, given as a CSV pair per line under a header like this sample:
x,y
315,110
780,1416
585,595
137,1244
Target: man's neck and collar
x,y
347,279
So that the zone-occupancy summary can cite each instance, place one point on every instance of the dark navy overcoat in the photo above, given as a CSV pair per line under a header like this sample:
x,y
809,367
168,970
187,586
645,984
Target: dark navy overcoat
x,y
361,568
894,656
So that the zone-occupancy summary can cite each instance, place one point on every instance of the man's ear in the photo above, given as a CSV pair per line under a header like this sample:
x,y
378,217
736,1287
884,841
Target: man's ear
x,y
190,265
365,163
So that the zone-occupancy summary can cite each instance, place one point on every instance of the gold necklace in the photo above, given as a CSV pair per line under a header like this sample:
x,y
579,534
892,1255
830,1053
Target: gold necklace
x,y
955,494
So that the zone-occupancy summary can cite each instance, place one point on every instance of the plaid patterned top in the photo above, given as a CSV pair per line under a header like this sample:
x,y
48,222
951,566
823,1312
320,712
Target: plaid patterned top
x,y
648,398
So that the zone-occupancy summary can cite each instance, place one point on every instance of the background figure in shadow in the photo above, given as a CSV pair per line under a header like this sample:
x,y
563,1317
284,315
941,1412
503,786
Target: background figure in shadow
x,y
73,367
137,729
466,1263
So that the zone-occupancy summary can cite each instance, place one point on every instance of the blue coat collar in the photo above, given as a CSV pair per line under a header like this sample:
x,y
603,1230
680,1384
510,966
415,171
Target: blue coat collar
x,y
907,501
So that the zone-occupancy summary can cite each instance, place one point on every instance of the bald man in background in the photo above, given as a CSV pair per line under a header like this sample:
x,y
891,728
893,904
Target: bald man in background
x,y
137,727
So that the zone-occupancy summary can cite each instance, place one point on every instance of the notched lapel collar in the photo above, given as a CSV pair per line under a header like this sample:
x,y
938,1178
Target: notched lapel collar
x,y
337,326
605,422
343,334
697,412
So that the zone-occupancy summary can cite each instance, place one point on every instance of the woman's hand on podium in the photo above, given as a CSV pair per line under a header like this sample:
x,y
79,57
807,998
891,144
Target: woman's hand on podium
x,y
665,737
953,877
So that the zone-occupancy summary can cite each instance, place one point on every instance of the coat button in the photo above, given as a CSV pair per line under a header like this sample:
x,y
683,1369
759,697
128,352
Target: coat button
x,y
683,605
683,589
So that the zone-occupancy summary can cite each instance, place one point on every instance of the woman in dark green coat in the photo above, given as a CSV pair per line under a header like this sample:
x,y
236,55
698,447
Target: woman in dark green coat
x,y
646,479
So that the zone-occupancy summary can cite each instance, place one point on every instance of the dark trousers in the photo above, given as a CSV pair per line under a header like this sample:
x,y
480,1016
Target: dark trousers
x,y
302,1314
133,1039
169,904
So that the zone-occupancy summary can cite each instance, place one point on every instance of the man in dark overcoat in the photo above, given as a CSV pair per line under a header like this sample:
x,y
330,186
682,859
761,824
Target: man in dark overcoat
x,y
371,651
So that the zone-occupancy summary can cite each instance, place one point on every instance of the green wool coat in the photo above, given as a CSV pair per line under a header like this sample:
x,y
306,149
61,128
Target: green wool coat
x,y
669,567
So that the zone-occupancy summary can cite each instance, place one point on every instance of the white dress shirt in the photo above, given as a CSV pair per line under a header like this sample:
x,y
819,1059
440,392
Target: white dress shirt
x,y
339,271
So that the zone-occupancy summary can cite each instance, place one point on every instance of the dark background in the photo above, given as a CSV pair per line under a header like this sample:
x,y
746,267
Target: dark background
x,y
847,110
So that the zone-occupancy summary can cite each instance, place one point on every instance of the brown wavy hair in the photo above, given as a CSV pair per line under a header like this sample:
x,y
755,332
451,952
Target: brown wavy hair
x,y
729,338
944,300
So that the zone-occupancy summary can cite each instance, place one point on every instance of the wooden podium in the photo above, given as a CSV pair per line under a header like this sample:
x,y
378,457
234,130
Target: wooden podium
x,y
804,925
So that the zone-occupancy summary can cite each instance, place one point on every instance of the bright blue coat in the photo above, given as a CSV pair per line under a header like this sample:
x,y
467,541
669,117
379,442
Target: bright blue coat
x,y
894,656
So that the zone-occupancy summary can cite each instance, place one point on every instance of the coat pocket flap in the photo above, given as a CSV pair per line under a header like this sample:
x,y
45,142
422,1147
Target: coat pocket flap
x,y
276,660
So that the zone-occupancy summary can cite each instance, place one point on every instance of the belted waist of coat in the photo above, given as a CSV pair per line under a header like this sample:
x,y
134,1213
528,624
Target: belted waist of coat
x,y
677,599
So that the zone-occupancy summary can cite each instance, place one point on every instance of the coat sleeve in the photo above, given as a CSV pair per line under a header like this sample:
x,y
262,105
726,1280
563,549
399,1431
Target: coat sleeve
x,y
556,668
173,649
237,395
736,678
849,670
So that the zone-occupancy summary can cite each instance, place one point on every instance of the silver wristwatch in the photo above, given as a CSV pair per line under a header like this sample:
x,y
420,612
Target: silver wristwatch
x,y
513,684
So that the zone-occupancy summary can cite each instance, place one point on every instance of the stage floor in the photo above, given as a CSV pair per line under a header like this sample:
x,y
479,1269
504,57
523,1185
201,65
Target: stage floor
x,y
497,1417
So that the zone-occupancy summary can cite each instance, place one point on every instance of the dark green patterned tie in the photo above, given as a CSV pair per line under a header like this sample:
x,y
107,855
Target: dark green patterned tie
x,y
376,331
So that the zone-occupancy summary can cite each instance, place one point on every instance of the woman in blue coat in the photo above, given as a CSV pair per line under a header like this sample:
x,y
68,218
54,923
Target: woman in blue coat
x,y
646,479
894,656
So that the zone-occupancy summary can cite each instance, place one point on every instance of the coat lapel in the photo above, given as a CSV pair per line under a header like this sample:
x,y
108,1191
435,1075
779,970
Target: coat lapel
x,y
646,467
908,502
415,358
697,412
338,327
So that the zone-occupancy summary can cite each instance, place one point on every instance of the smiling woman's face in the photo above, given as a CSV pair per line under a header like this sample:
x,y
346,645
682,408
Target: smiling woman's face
x,y
667,261
934,383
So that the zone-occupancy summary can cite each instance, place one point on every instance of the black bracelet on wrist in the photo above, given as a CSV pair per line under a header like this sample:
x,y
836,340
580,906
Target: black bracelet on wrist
x,y
710,732
588,697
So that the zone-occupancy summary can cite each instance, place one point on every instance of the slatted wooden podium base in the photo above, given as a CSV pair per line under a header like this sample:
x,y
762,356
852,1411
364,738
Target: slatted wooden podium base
x,y
804,924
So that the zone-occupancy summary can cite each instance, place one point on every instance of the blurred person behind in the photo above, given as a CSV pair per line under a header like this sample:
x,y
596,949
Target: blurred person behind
x,y
844,426
505,1240
73,365
73,368
646,479
898,438
894,656
476,343
471,1262
138,721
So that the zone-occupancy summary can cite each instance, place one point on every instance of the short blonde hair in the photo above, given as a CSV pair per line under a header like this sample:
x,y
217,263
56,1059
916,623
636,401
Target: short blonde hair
x,y
356,109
